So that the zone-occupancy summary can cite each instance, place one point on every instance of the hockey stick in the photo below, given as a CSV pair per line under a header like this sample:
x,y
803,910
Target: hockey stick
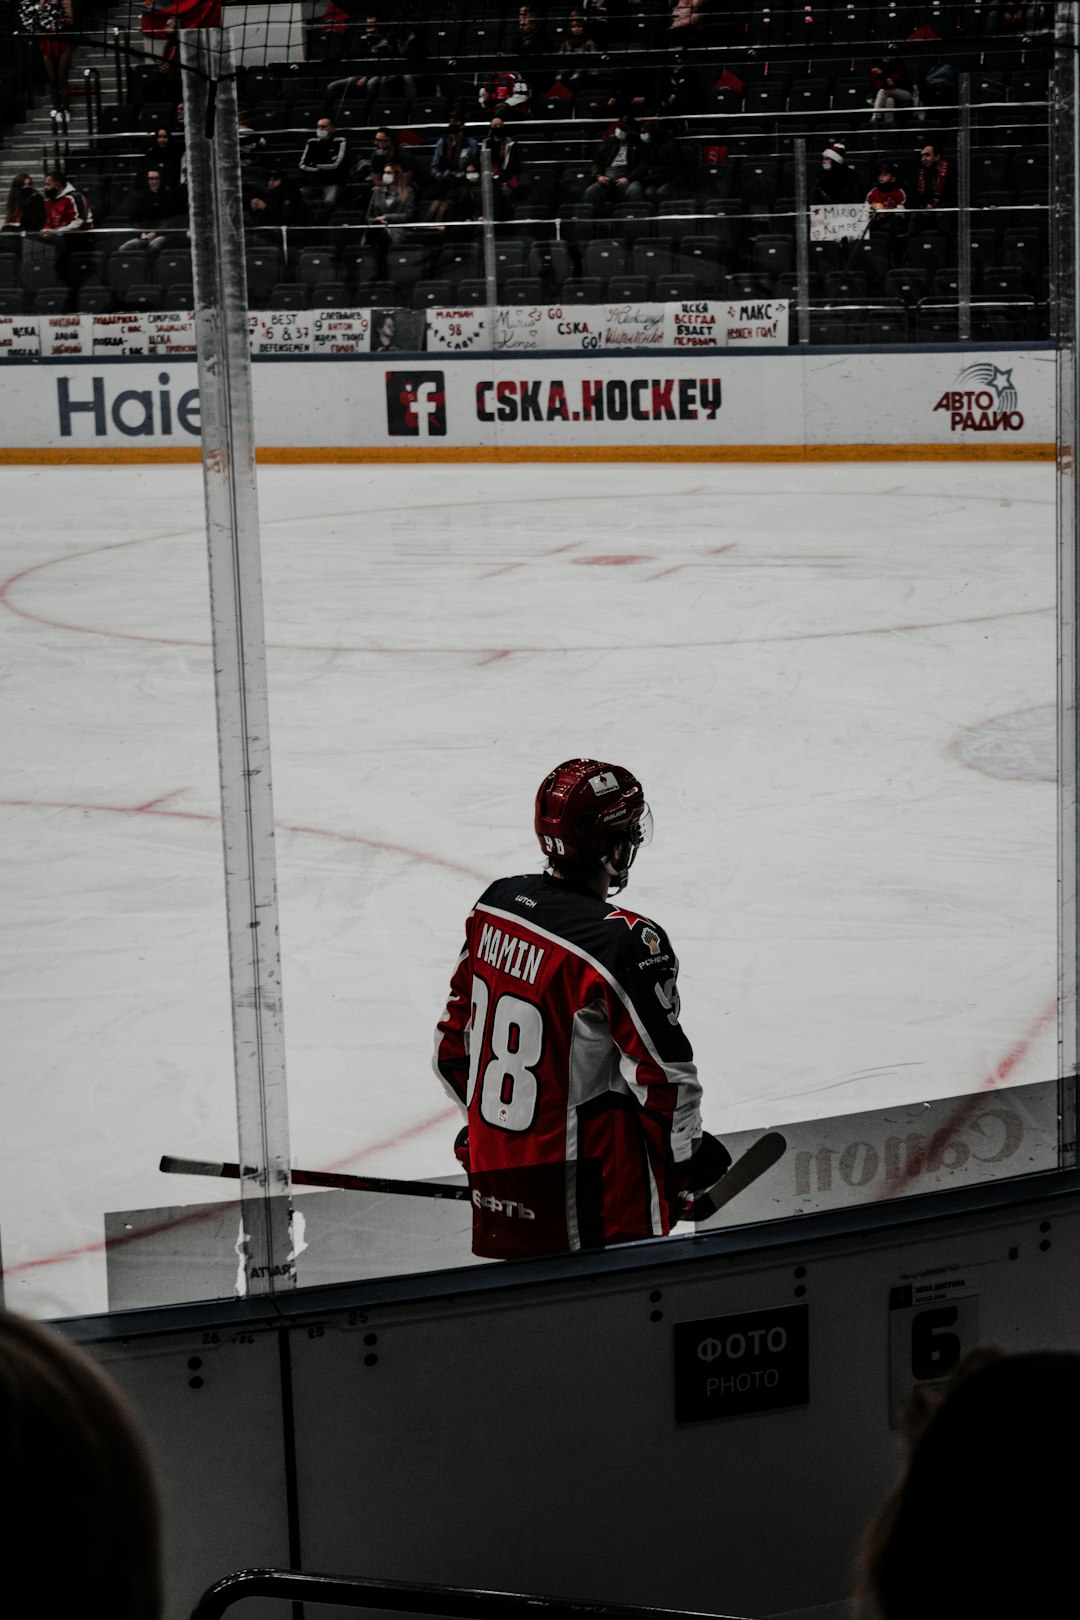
x,y
759,1157
321,1178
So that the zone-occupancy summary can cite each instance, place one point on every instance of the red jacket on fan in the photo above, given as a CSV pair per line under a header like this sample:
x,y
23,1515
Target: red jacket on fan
x,y
62,212
562,1041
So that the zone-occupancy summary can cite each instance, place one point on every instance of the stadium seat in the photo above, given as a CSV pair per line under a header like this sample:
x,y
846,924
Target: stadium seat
x,y
470,294
744,286
652,257
771,255
577,221
628,290
549,265
173,265
582,290
432,295
315,264
928,252
849,285
630,222
870,256
510,259
405,266
883,326
907,285
1022,250
330,295
289,295
128,269
604,259
264,267
94,300
675,289
11,301
523,290
140,296
459,262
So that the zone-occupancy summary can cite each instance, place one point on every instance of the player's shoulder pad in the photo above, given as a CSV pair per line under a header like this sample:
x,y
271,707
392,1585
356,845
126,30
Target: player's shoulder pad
x,y
511,894
639,939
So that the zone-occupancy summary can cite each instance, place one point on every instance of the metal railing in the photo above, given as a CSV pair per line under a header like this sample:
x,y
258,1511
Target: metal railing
x,y
406,1597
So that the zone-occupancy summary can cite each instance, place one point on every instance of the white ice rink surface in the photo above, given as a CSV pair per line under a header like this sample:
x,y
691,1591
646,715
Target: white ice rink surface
x,y
836,683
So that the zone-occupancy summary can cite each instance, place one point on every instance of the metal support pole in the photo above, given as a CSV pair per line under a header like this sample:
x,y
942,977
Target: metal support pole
x,y
487,197
1065,292
232,525
802,241
963,203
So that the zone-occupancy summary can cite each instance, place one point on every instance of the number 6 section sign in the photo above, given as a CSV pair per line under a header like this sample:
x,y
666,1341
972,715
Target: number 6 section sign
x,y
930,1331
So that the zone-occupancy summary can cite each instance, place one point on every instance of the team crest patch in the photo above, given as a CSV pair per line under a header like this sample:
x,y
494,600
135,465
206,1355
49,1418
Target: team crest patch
x,y
652,940
604,782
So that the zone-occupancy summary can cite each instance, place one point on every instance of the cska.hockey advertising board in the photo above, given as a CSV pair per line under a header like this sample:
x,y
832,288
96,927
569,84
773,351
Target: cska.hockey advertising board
x,y
786,403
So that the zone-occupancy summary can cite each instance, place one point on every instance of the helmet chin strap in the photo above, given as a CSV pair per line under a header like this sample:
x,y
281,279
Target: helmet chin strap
x,y
619,875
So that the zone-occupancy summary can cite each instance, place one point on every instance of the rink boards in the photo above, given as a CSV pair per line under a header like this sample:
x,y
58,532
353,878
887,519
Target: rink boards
x,y
945,403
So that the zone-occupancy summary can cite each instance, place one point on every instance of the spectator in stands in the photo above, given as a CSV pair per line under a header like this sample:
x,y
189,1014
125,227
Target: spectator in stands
x,y
25,206
507,92
325,162
616,156
250,143
528,38
469,203
677,92
281,204
75,1468
66,210
834,180
505,165
686,20
453,152
660,171
374,51
892,86
392,205
165,154
578,44
168,84
982,1488
153,209
51,23
370,167
887,199
933,193
1019,17
887,195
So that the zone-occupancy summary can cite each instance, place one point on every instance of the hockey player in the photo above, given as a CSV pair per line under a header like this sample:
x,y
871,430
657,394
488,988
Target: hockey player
x,y
562,1041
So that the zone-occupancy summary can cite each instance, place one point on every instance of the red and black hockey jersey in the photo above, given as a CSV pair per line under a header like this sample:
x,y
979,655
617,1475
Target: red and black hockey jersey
x,y
562,1040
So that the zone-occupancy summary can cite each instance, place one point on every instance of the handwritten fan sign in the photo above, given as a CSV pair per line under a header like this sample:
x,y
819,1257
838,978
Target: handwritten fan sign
x,y
838,222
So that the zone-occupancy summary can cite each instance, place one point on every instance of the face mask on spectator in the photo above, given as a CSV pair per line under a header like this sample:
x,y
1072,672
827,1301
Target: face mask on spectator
x,y
323,134
645,136
388,177
471,174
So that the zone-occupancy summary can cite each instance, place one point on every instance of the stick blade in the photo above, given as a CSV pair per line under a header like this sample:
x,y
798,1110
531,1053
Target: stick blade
x,y
758,1158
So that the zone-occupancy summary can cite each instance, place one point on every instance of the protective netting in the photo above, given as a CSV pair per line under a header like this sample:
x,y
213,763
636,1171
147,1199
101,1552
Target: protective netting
x,y
641,155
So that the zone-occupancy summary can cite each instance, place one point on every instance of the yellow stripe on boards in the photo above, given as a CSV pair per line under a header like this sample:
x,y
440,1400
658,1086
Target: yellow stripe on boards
x,y
278,455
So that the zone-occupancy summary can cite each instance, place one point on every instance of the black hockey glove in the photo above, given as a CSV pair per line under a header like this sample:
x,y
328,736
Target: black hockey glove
x,y
697,1175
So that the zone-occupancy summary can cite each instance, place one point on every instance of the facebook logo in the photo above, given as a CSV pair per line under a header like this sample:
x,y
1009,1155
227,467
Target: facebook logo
x,y
416,404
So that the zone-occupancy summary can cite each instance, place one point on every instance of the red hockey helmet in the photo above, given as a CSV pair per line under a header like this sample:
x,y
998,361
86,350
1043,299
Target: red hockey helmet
x,y
586,809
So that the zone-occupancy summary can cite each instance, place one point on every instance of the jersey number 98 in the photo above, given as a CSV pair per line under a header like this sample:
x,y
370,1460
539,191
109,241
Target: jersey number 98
x,y
509,1090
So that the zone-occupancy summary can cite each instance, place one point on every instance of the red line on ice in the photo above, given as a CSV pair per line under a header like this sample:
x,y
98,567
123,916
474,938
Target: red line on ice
x,y
973,1101
150,808
203,1212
